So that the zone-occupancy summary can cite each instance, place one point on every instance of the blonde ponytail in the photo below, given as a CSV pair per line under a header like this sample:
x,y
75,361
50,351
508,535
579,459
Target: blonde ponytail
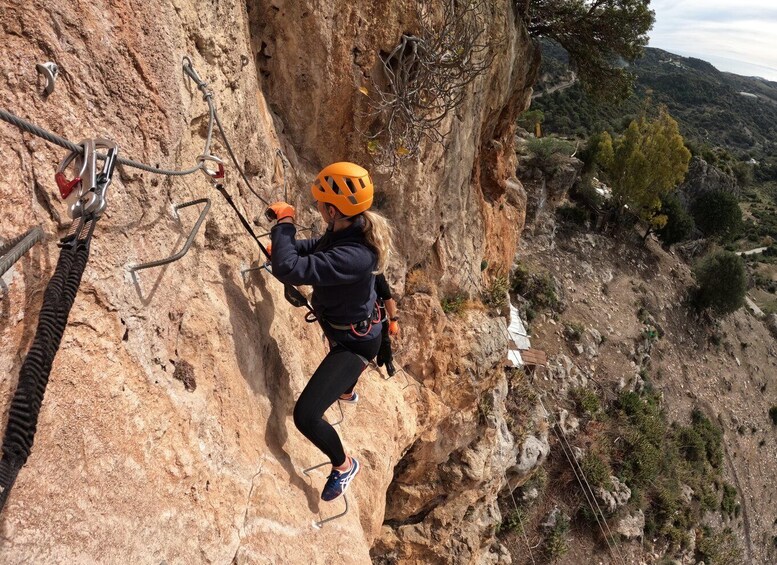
x,y
380,236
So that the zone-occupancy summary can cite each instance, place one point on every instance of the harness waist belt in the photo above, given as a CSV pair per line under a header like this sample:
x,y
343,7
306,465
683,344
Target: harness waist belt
x,y
361,326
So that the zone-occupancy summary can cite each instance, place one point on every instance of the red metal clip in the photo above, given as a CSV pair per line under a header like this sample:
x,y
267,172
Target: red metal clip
x,y
66,186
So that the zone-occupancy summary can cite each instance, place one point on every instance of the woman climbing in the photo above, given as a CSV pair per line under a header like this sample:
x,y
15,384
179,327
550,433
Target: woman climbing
x,y
341,267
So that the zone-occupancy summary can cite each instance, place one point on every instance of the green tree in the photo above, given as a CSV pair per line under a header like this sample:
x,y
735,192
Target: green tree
x,y
721,282
679,224
597,34
717,214
530,118
643,165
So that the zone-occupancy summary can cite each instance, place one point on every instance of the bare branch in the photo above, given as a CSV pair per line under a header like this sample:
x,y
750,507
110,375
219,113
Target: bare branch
x,y
425,77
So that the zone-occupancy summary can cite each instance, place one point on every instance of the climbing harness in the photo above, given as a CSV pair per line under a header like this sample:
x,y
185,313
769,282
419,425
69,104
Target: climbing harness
x,y
363,327
57,301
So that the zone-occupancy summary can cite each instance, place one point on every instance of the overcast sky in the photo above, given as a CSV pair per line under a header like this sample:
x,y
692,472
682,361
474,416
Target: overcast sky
x,y
739,36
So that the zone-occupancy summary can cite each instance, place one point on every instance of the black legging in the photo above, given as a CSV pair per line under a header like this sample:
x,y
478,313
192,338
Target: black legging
x,y
336,375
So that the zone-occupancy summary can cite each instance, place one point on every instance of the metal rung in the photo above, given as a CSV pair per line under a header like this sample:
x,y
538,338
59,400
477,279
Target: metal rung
x,y
13,250
189,240
342,415
318,524
266,265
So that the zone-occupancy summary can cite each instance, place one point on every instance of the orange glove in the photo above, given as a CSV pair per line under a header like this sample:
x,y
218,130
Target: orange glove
x,y
268,247
394,327
279,210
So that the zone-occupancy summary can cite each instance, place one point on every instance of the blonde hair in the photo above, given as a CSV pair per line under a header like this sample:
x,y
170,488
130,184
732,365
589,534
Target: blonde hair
x,y
380,236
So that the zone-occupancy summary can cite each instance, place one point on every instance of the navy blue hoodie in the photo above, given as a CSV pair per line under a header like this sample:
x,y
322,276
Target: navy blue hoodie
x,y
338,266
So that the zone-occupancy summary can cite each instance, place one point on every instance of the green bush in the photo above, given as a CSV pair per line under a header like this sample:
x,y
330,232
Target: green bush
x,y
712,436
728,503
679,223
586,401
596,471
545,149
454,304
513,521
572,214
719,548
529,118
574,331
556,543
717,214
495,296
721,282
538,288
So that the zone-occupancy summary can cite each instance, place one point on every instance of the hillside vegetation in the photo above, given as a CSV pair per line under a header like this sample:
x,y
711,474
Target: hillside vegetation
x,y
709,104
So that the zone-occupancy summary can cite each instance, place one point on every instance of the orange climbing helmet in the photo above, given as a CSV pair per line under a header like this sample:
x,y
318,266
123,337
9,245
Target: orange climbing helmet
x,y
346,186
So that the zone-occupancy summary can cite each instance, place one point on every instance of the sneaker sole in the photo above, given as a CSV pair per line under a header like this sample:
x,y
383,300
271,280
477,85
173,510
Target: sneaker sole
x,y
354,401
347,483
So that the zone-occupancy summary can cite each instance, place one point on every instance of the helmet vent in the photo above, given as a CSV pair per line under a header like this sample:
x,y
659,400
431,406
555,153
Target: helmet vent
x,y
332,184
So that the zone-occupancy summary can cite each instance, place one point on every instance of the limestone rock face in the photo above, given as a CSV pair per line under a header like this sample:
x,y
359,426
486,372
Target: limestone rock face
x,y
702,178
130,464
632,526
614,497
547,186
771,323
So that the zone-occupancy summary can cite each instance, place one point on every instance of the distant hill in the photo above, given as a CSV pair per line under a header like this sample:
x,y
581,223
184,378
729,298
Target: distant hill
x,y
712,107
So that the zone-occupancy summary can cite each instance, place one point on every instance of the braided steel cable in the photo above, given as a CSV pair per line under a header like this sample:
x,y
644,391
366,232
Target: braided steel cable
x,y
34,374
15,249
566,448
38,131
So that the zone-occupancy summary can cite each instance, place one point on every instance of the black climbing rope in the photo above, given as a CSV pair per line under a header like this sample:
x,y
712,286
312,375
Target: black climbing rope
x,y
58,299
34,374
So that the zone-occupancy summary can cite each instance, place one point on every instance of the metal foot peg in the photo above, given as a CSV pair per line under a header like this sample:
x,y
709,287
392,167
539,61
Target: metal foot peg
x,y
342,415
266,265
318,524
189,240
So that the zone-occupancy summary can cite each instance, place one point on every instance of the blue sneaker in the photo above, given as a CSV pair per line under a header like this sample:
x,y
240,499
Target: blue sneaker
x,y
338,482
353,399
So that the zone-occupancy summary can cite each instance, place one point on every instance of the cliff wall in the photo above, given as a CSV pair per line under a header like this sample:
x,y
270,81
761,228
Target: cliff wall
x,y
130,466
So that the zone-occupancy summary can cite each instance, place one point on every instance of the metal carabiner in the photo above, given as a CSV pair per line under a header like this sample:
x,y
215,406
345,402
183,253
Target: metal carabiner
x,y
85,165
215,175
98,202
89,198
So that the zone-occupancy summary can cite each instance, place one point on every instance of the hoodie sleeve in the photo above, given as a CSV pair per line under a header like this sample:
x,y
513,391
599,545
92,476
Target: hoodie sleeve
x,y
382,287
343,264
306,246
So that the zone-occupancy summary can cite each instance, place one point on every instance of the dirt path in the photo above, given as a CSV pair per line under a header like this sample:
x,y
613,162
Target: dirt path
x,y
745,519
557,88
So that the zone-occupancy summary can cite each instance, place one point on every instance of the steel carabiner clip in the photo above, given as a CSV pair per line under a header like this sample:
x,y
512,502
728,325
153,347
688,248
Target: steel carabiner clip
x,y
215,175
82,193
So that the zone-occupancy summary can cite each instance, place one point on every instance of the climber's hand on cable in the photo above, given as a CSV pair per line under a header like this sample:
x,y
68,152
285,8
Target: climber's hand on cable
x,y
394,328
279,211
269,249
